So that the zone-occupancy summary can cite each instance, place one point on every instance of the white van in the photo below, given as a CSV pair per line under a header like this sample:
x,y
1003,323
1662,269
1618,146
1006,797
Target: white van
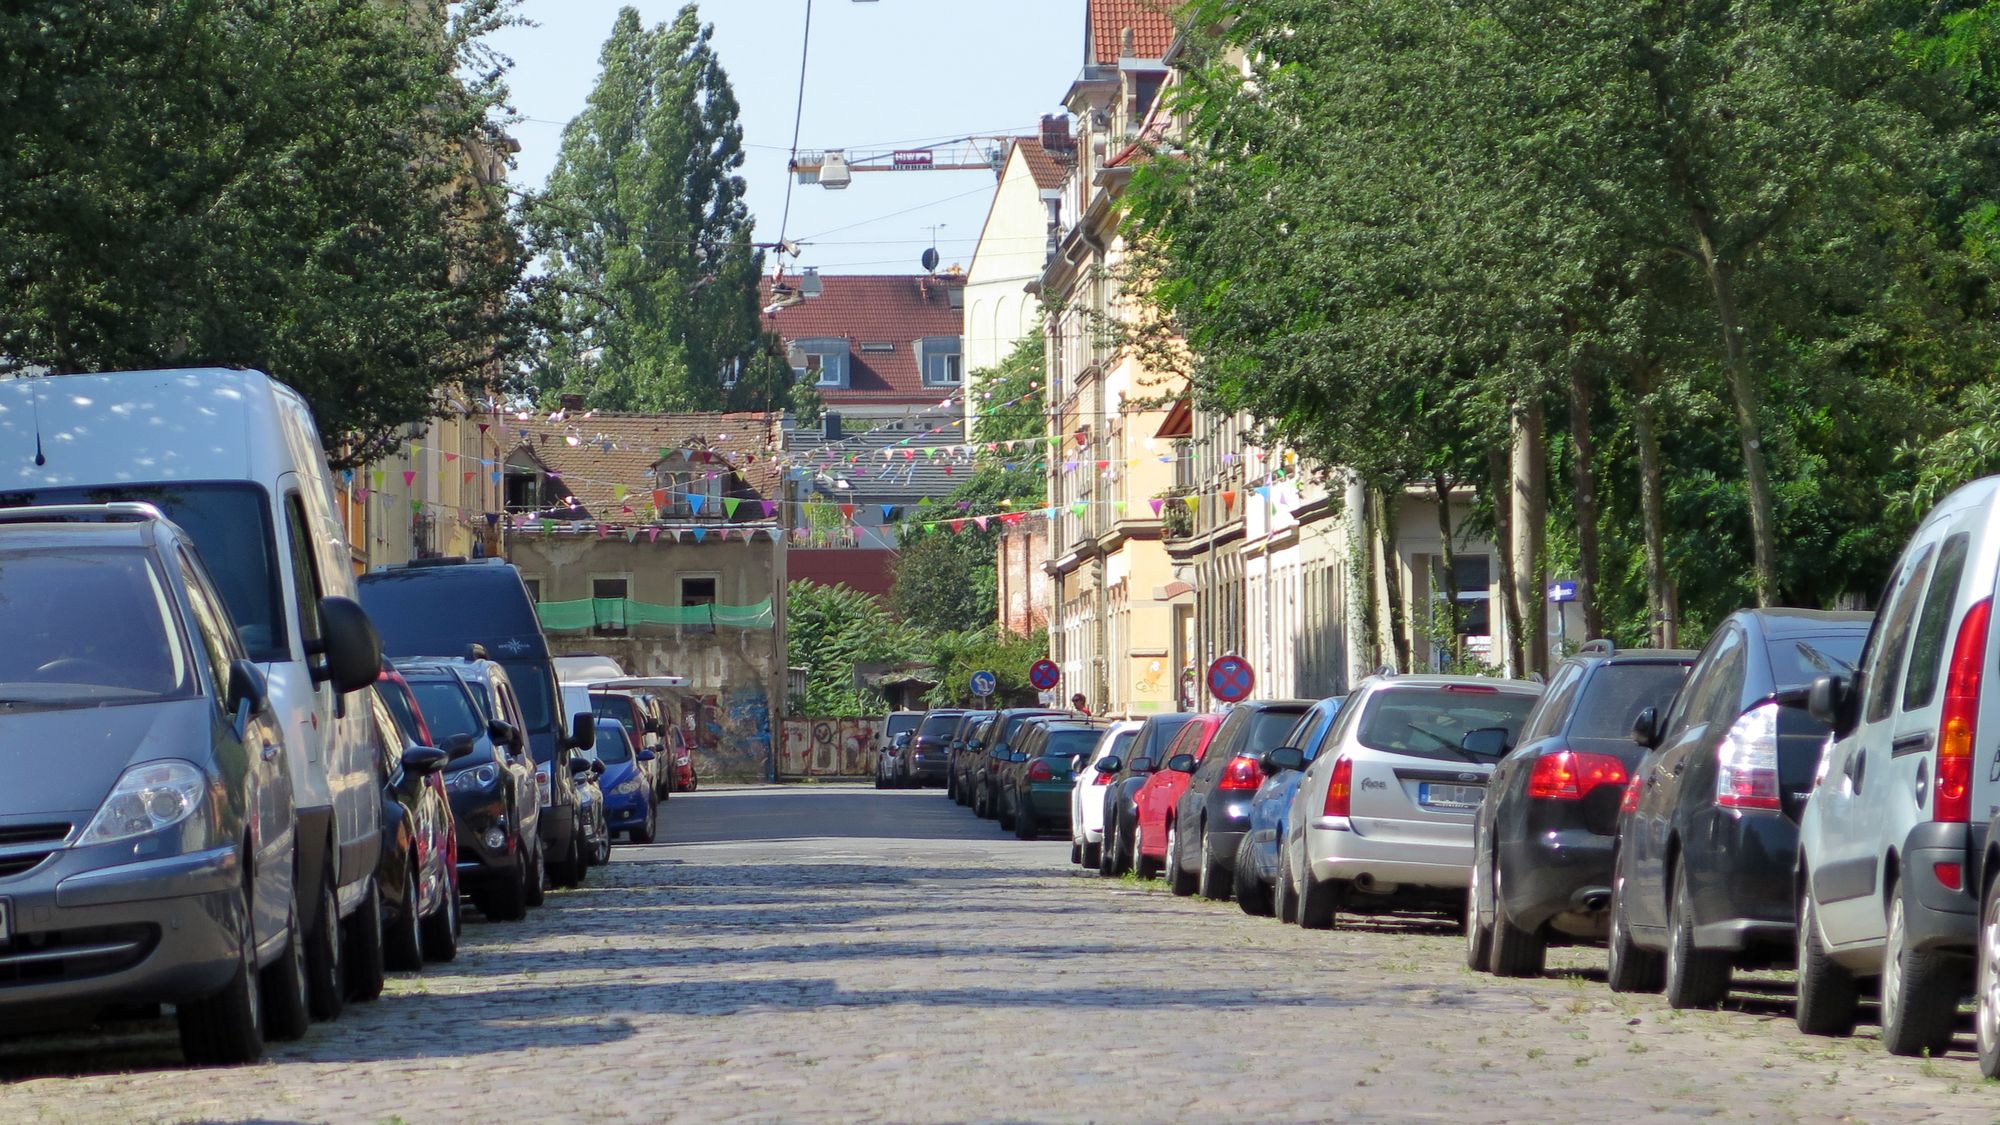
x,y
234,458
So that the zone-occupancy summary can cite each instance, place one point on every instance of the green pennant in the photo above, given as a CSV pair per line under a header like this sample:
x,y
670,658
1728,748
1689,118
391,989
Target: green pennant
x,y
929,527
729,506
548,527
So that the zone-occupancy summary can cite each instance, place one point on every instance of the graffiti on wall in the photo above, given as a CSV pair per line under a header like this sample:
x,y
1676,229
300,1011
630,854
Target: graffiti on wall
x,y
828,748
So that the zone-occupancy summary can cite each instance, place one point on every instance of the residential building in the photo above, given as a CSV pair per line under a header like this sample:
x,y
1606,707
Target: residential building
x,y
855,490
1019,234
659,540
439,493
876,348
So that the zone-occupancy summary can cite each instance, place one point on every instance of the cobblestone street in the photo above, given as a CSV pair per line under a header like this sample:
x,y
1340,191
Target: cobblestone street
x,y
825,952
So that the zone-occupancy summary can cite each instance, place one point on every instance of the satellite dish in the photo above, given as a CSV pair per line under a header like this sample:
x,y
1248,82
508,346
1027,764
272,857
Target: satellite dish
x,y
930,260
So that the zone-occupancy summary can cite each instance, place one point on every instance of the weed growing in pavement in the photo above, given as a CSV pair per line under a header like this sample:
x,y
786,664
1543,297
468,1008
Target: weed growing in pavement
x,y
1929,1067
1581,1060
1636,1048
1536,1053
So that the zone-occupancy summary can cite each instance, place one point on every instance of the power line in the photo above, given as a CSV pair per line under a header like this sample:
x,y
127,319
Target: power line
x,y
798,120
898,214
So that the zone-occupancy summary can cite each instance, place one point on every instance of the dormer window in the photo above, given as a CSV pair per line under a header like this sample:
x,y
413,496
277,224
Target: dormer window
x,y
943,360
823,359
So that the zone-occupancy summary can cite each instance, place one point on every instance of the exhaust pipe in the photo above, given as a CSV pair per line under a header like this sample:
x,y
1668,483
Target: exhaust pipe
x,y
1594,899
1367,884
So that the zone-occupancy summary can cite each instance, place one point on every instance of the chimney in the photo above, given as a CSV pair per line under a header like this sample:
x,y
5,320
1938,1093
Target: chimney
x,y
572,402
1125,44
829,426
1056,140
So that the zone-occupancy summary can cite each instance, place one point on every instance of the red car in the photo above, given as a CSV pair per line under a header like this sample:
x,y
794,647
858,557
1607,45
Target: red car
x,y
1156,799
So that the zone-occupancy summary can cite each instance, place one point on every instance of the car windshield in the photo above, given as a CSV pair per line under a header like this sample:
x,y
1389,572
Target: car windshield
x,y
900,721
622,708
1070,743
1798,661
1164,728
1012,730
534,687
231,527
446,707
88,628
1430,721
612,746
937,726
1269,728
1619,692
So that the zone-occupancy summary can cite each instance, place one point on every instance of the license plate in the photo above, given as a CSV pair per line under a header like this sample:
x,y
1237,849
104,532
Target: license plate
x,y
6,923
1450,796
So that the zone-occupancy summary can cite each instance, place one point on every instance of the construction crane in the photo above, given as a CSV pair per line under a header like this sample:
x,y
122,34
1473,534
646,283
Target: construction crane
x,y
834,168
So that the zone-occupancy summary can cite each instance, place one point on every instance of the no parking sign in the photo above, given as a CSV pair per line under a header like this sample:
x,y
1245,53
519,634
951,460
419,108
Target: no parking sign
x,y
1045,675
1231,679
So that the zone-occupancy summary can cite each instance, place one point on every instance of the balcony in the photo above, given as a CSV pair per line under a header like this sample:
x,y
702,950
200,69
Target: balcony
x,y
1176,521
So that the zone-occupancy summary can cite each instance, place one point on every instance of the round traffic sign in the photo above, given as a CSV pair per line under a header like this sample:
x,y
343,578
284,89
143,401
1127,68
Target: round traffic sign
x,y
985,683
1231,679
1044,674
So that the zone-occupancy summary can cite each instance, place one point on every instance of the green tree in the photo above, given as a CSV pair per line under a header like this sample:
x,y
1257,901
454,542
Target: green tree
x,y
829,630
650,301
946,582
286,184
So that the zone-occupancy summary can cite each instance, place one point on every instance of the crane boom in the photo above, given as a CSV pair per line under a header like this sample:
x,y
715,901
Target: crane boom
x,y
833,168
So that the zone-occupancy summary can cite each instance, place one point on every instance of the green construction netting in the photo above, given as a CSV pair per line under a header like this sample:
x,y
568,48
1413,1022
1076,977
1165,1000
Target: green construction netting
x,y
624,613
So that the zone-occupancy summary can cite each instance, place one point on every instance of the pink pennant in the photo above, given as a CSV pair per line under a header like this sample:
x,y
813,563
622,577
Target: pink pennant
x,y
652,535
409,477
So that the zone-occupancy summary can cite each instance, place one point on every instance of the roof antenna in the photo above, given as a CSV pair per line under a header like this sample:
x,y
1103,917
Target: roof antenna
x,y
35,404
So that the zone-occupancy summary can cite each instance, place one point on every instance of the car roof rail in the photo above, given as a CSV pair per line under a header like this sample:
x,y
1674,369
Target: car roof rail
x,y
1602,646
119,511
475,651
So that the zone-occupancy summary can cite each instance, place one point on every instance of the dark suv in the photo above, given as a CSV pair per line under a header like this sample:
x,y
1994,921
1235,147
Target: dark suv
x,y
926,758
1213,812
1544,836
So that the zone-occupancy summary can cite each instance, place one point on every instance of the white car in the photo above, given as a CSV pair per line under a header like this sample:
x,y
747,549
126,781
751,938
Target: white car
x,y
1383,819
1086,794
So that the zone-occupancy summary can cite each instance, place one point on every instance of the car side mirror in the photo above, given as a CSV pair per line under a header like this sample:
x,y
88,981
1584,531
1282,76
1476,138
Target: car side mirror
x,y
1831,701
249,692
349,650
503,733
460,746
1646,728
579,766
651,726
596,768
1181,763
583,731
420,760
1283,758
1486,742
1110,764
647,755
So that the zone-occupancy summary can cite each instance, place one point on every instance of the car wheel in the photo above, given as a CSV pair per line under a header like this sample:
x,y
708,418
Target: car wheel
x,y
1107,852
1986,1020
1627,967
1919,991
403,950
950,787
1478,935
227,1029
1516,952
1212,877
283,984
878,780
979,803
575,870
1319,902
1142,865
1288,892
1179,881
535,878
649,831
441,929
1252,896
508,901
602,854
1025,825
365,973
1826,1000
326,987
1003,812
1696,978
1122,851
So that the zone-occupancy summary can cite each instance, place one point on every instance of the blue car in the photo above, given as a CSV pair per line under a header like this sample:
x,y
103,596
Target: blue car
x,y
1257,853
629,804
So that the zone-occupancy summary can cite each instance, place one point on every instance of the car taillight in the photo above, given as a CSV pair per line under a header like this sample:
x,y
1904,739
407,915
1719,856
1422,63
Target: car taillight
x,y
1630,801
1038,770
1960,722
1567,775
1472,689
1746,761
1340,787
1242,772
1099,777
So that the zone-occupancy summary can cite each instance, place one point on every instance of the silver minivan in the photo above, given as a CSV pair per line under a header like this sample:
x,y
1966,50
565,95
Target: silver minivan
x,y
234,458
1892,843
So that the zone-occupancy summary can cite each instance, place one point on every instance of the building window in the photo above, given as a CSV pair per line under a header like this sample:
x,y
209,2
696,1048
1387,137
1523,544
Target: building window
x,y
608,602
1472,581
534,586
824,358
698,592
943,361
524,493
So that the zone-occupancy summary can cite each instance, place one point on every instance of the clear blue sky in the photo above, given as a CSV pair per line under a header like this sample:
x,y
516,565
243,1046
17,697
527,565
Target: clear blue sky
x,y
882,74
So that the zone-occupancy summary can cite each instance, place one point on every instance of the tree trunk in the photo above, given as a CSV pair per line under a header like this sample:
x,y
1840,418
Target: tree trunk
x,y
1660,599
1447,567
1529,495
1392,579
1749,434
1512,658
1582,394
1362,658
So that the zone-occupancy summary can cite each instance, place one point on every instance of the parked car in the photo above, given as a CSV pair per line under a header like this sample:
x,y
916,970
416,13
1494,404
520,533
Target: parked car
x,y
419,867
1544,837
1254,875
893,724
1035,790
1708,841
439,607
1897,842
1382,820
629,804
1154,834
925,759
470,707
234,459
1127,774
634,711
968,724
887,756
967,755
151,859
1208,820
993,749
1086,793
590,810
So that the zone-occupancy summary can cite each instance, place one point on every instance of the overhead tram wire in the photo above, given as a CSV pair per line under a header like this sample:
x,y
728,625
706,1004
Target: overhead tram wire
x,y
798,121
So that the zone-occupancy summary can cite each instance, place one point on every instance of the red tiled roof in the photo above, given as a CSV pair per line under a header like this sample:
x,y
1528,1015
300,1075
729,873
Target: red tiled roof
x,y
1046,169
742,443
896,310
1152,25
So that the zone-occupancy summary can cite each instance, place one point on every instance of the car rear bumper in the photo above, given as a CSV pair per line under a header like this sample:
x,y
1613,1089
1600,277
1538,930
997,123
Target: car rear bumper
x,y
1051,802
1337,852
1741,863
156,932
1940,917
1558,872
922,770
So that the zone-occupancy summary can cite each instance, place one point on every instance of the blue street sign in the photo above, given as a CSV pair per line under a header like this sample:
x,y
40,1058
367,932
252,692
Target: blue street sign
x,y
1562,592
985,683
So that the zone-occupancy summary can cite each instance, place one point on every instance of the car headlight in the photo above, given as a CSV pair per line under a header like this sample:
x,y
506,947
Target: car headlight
x,y
147,799
479,777
628,788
